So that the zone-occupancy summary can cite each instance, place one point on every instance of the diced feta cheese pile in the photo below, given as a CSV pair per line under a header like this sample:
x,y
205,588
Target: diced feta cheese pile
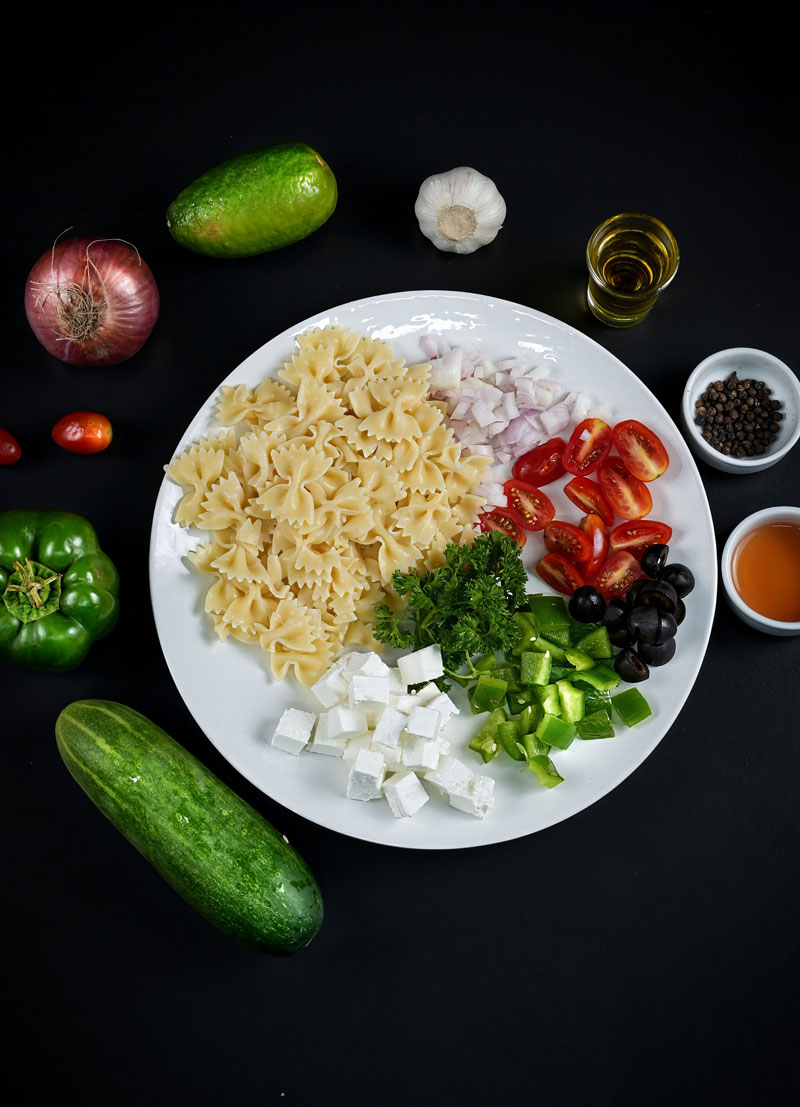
x,y
389,738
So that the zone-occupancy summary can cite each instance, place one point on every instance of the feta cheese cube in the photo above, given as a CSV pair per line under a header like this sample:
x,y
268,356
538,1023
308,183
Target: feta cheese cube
x,y
392,757
444,705
368,691
477,799
331,689
405,794
422,665
294,730
332,747
365,779
424,696
390,726
424,723
354,746
346,722
397,686
419,753
450,776
366,664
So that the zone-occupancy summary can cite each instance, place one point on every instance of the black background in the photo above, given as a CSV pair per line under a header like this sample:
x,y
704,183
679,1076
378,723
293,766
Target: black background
x,y
643,951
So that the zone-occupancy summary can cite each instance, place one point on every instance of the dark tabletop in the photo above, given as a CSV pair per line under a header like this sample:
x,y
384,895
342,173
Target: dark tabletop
x,y
644,951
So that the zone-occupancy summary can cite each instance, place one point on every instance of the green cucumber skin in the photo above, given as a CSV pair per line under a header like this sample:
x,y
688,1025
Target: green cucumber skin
x,y
218,853
255,202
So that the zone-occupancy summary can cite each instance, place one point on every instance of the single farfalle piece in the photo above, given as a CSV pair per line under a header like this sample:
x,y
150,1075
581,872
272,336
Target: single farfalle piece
x,y
460,210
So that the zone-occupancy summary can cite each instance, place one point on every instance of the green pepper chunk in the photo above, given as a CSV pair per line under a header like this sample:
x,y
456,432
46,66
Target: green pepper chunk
x,y
59,593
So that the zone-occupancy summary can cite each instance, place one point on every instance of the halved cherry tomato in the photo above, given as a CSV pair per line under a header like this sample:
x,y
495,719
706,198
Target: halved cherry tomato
x,y
542,464
586,495
559,573
501,518
626,494
83,432
638,534
530,504
588,446
641,449
597,533
567,539
616,574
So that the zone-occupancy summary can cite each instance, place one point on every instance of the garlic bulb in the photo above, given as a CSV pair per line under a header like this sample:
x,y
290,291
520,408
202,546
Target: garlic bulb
x,y
460,210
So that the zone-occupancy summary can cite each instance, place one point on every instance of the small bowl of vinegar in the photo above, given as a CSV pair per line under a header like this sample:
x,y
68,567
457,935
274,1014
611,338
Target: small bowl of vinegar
x,y
761,570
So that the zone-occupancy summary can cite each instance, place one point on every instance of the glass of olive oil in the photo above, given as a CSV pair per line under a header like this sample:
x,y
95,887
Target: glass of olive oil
x,y
632,258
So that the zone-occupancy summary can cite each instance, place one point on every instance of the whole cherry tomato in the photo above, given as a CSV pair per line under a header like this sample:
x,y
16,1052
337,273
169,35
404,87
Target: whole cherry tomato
x,y
83,432
559,572
641,449
10,450
586,494
542,464
638,534
588,446
627,495
530,504
505,520
616,574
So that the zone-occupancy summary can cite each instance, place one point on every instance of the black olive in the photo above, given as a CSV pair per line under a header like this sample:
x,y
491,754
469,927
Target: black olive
x,y
630,667
680,577
680,611
654,559
587,605
616,613
660,594
649,624
657,653
621,637
634,589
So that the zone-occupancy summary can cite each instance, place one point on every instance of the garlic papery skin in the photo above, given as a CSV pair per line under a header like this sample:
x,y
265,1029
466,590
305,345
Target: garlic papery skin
x,y
460,210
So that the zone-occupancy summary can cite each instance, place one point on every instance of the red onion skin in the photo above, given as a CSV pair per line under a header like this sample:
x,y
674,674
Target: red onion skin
x,y
119,283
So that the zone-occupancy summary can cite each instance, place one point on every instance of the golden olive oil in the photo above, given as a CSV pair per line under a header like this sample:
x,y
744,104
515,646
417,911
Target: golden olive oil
x,y
631,259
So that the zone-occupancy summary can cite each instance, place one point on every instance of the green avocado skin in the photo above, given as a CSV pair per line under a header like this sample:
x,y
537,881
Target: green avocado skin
x,y
255,202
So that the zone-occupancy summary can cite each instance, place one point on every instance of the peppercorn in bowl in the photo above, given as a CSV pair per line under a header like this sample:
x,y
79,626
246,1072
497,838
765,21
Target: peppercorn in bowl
x,y
741,410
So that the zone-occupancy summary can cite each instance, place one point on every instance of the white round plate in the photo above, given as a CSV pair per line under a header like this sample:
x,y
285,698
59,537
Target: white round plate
x,y
234,700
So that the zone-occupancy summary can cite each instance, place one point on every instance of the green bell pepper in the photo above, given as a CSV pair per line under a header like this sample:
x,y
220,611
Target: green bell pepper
x,y
59,592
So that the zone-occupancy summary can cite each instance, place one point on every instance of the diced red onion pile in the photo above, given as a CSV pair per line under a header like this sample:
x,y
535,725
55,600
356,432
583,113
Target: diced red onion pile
x,y
503,408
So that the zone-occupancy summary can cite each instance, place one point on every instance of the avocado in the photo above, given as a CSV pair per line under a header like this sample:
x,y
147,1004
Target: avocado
x,y
254,202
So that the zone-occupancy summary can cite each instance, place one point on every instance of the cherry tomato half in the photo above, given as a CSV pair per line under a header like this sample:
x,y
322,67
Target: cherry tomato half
x,y
616,574
567,539
557,571
597,533
501,518
83,432
638,534
588,446
531,505
641,449
542,464
626,494
586,495
10,450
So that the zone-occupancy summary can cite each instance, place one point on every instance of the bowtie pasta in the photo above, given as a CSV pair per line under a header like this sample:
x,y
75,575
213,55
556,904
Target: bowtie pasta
x,y
314,489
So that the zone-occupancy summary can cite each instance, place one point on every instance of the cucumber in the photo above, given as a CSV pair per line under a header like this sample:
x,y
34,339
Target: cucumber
x,y
218,853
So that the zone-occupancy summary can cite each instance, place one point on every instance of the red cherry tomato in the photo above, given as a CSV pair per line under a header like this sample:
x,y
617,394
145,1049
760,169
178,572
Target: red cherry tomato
x,y
567,539
586,495
10,450
616,574
557,571
641,449
597,533
638,534
83,432
542,464
501,518
530,504
627,495
588,446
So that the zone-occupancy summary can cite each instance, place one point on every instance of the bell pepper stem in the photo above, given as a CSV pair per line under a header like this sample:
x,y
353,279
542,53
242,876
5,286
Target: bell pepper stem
x,y
29,584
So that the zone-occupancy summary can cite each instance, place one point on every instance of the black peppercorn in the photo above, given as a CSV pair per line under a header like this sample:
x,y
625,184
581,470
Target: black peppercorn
x,y
738,418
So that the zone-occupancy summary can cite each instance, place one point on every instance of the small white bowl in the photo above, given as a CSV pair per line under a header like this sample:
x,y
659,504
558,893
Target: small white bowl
x,y
759,366
745,613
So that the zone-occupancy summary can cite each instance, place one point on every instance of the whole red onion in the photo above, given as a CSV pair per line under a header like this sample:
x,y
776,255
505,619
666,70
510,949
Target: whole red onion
x,y
91,301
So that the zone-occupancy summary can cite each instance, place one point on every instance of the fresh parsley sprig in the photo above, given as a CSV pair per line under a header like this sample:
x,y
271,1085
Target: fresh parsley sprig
x,y
464,605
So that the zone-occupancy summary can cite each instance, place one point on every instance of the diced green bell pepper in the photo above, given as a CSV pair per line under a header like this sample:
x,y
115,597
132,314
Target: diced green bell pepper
x,y
509,734
571,701
486,741
545,771
597,644
488,693
599,677
579,660
596,725
534,667
556,732
631,706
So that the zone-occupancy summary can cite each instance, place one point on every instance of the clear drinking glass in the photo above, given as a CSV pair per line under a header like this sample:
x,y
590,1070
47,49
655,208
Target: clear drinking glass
x,y
632,258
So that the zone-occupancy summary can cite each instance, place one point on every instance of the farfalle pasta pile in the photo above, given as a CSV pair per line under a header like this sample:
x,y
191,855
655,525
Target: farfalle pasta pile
x,y
316,487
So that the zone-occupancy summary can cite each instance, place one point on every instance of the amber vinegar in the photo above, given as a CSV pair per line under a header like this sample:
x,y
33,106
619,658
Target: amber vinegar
x,y
766,570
